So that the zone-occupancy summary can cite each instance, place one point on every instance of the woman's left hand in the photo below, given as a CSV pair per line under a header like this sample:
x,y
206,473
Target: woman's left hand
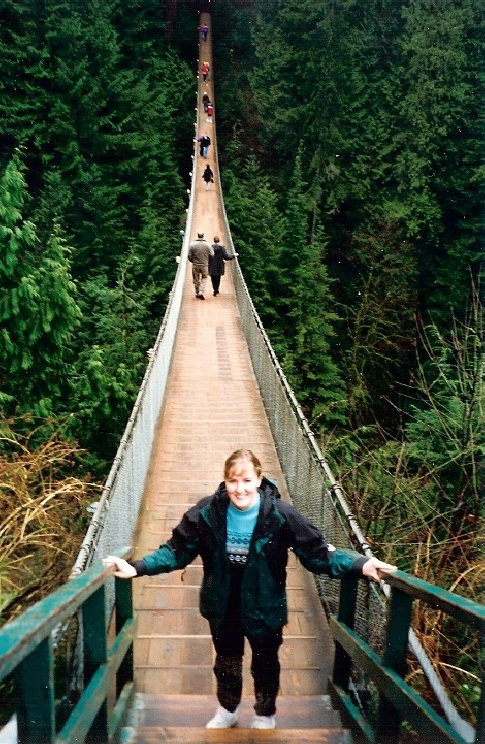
x,y
373,568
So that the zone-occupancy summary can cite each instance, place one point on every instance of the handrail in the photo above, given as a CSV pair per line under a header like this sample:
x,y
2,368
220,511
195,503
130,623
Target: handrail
x,y
397,700
27,652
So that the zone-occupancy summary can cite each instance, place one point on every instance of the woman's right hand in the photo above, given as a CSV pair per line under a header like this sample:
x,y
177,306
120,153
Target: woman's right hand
x,y
123,570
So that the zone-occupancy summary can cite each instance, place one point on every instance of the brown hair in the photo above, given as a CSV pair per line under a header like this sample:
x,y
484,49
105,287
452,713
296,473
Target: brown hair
x,y
216,238
242,455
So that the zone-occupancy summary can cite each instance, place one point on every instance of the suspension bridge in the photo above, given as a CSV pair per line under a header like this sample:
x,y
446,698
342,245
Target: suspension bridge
x,y
142,655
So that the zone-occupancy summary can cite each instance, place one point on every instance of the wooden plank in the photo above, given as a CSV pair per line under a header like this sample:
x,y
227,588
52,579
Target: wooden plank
x,y
238,736
194,679
311,711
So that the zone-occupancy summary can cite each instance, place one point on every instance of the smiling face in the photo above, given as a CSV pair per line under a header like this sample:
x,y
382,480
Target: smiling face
x,y
242,483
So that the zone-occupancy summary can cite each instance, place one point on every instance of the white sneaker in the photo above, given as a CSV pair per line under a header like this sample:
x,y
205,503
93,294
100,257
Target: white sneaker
x,y
263,722
223,719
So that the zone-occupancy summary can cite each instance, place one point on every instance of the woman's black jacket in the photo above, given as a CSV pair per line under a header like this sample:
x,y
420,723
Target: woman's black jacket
x,y
216,262
279,528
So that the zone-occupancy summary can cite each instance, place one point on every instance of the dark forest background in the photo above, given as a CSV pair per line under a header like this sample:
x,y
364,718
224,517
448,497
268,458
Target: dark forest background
x,y
350,145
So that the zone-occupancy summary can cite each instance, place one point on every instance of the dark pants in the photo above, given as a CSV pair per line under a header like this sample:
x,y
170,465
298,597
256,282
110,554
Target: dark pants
x,y
216,283
265,666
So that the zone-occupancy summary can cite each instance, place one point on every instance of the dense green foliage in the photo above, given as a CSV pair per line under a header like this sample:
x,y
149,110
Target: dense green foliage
x,y
95,108
362,120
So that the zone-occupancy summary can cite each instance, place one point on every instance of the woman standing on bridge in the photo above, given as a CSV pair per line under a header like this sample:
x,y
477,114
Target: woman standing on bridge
x,y
216,263
243,533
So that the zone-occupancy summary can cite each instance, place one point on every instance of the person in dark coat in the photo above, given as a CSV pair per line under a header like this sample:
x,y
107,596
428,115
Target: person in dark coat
x,y
204,141
208,177
243,533
216,263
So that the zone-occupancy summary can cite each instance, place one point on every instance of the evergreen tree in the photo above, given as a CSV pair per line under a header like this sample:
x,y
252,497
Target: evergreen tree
x,y
307,313
113,339
438,168
23,78
38,310
388,125
379,319
314,345
445,426
100,121
257,230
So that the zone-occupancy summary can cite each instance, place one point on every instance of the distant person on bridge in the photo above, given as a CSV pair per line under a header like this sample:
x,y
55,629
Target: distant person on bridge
x,y
243,533
199,254
216,263
205,71
208,177
204,31
204,140
205,100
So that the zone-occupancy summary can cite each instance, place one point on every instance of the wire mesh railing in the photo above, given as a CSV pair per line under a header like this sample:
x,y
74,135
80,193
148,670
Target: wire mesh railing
x,y
317,494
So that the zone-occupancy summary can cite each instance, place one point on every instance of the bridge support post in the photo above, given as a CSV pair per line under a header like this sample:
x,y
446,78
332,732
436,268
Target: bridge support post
x,y
388,722
95,656
346,612
34,683
124,612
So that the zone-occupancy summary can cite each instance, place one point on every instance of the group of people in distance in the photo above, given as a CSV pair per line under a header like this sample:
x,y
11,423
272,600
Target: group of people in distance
x,y
204,140
207,260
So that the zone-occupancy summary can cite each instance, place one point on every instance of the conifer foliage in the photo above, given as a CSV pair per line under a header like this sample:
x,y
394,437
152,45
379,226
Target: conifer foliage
x,y
93,102
378,104
38,309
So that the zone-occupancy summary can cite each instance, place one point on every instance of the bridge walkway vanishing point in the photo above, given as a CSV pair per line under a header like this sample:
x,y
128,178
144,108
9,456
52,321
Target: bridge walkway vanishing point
x,y
212,407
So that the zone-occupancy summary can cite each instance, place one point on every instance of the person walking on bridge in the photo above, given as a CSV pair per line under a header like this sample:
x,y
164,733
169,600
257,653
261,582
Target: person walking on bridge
x,y
205,69
198,255
208,177
204,141
243,533
216,263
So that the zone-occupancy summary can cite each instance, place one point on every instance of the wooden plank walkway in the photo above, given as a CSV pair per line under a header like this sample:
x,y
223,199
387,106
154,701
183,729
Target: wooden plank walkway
x,y
213,406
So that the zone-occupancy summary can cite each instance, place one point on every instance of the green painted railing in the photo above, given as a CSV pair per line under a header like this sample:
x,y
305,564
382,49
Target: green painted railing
x,y
397,702
27,653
